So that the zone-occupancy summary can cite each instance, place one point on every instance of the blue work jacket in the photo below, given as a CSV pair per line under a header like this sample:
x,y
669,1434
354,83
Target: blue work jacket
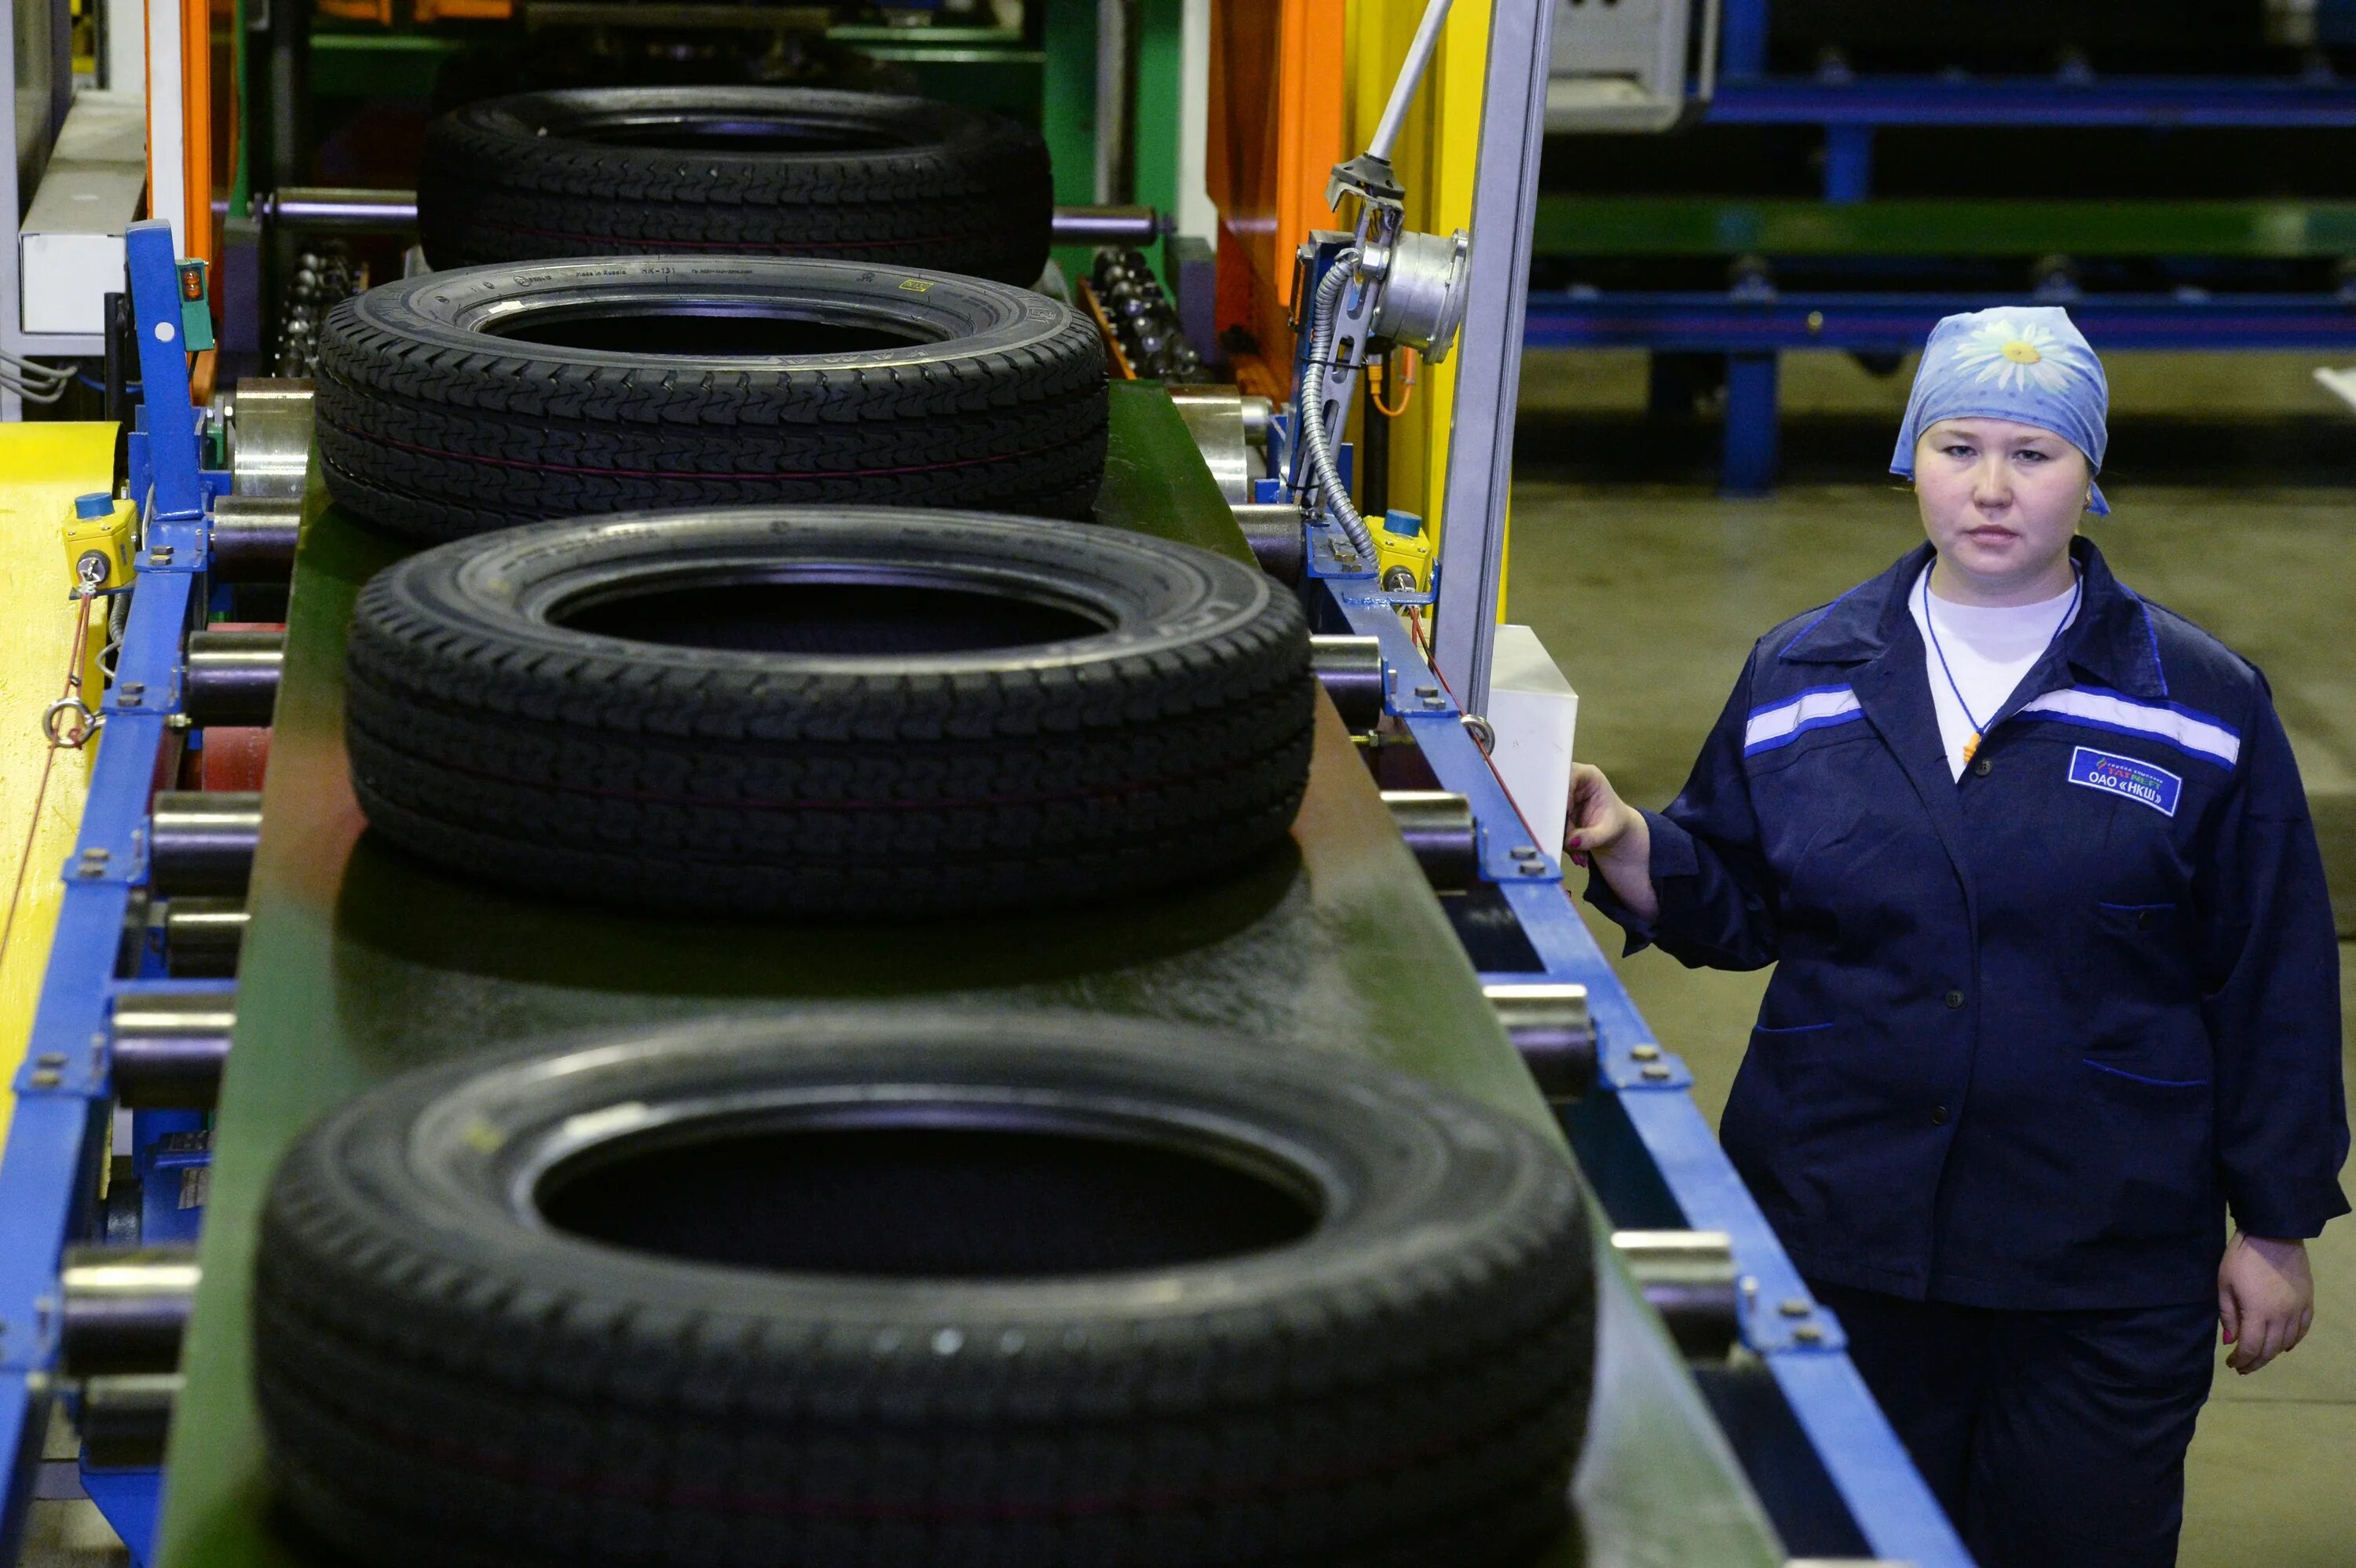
x,y
2031,1033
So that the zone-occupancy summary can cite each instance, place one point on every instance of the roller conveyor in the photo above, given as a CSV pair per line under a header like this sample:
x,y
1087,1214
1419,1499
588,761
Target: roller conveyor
x,y
359,963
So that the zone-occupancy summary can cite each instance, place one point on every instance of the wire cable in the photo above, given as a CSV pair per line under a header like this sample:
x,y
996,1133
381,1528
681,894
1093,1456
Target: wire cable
x,y
1314,439
76,737
1407,391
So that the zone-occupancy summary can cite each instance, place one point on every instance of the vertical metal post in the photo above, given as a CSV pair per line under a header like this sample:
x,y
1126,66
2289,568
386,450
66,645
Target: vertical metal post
x,y
1742,53
1489,380
1848,163
1749,464
1115,98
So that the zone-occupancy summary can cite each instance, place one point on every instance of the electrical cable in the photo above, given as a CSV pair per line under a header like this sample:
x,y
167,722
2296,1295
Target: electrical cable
x,y
1314,439
40,394
34,367
1407,391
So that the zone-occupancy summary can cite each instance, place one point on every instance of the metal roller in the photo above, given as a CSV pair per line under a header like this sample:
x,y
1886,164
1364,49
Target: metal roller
x,y
1352,671
1215,417
1688,1277
232,676
1132,226
1258,414
270,423
202,841
1438,827
124,1308
339,207
1549,1024
253,537
202,936
125,1418
1282,547
169,1047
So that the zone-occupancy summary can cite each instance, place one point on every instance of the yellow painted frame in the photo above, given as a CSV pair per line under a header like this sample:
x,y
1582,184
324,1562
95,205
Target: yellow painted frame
x,y
1437,159
43,466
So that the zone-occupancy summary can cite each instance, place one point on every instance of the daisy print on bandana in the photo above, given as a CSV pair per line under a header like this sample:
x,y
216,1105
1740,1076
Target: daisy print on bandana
x,y
2016,354
2028,363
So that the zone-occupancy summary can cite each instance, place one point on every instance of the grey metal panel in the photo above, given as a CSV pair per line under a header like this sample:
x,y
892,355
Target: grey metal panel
x,y
1480,447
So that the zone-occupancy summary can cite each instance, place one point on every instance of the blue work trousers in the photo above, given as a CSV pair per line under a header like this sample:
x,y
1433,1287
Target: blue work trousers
x,y
2053,1439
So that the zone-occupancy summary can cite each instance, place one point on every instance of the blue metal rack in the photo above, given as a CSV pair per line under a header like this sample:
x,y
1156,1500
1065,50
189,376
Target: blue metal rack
x,y
1752,326
49,1172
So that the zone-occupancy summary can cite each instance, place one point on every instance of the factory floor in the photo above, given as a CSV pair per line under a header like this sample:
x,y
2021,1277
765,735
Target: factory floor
x,y
2233,480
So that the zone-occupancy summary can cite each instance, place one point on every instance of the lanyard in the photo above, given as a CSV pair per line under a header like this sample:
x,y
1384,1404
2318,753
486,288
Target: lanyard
x,y
2077,586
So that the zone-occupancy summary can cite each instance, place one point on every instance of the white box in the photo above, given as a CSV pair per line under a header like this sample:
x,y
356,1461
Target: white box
x,y
69,250
1534,713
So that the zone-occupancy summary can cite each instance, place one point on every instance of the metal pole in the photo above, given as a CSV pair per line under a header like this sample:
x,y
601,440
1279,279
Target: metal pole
x,y
1418,60
1480,442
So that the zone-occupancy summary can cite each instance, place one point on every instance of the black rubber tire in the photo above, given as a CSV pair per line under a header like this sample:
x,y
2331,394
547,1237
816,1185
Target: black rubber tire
x,y
437,428
450,1372
1162,735
637,170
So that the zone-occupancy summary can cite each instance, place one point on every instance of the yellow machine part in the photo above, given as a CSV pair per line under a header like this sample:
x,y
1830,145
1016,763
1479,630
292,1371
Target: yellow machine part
x,y
43,467
1413,552
1437,159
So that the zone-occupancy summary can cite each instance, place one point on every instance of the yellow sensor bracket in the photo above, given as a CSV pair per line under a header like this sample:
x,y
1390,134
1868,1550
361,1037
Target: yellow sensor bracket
x,y
98,544
1404,558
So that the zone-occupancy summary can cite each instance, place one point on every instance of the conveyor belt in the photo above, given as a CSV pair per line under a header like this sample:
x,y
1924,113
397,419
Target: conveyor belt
x,y
359,963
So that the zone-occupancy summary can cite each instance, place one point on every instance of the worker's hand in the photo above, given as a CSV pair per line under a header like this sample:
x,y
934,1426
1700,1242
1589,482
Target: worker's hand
x,y
2265,1300
1611,834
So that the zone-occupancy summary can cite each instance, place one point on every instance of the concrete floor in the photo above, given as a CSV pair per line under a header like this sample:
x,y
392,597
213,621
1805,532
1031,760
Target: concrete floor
x,y
2234,481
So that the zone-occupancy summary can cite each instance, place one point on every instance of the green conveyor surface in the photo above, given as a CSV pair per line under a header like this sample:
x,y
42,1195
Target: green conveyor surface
x,y
360,963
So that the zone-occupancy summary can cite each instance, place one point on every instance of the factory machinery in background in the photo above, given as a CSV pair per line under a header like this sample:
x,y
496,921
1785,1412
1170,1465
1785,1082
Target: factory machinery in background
x,y
1843,174
217,888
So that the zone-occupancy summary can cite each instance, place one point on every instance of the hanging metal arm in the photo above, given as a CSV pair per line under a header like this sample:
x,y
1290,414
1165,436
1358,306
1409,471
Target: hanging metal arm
x,y
1368,175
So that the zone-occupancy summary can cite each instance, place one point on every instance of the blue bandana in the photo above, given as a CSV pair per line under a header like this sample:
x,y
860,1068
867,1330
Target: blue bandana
x,y
2025,363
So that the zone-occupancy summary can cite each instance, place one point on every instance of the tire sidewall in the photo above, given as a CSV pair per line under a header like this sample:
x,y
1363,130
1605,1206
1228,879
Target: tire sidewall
x,y
1416,1179
539,122
1165,595
974,315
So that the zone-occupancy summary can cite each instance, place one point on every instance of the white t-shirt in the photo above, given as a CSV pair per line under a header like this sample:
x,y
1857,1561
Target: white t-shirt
x,y
1988,650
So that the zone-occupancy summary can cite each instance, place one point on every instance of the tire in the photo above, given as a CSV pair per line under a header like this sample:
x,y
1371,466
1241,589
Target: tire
x,y
434,425
924,1290
882,715
735,171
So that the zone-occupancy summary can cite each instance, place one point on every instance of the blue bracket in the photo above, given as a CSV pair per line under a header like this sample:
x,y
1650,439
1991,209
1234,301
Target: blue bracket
x,y
1509,853
48,1176
131,1501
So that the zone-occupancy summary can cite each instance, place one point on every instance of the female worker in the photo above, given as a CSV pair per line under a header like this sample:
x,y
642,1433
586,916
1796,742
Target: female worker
x,y
2056,986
